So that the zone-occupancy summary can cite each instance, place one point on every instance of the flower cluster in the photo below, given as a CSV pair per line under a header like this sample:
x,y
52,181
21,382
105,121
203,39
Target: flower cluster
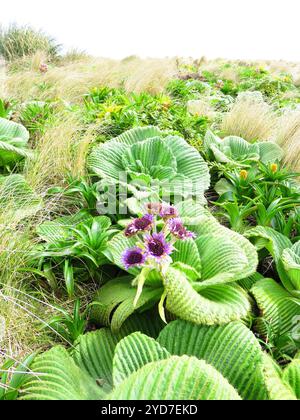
x,y
154,247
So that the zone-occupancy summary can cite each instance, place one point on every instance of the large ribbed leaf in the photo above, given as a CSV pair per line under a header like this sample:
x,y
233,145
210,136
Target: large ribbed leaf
x,y
13,142
222,259
233,149
153,157
94,351
207,225
55,376
275,243
277,388
11,130
265,237
189,164
269,152
138,134
186,258
291,262
291,375
145,155
17,199
278,308
176,378
114,302
232,349
134,352
59,229
212,305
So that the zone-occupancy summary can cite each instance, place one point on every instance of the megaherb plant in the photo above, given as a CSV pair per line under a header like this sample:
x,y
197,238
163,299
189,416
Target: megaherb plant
x,y
237,151
145,162
145,362
194,270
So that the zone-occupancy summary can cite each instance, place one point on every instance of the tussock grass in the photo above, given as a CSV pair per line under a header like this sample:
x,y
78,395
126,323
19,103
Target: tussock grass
x,y
251,119
60,153
288,137
20,41
73,80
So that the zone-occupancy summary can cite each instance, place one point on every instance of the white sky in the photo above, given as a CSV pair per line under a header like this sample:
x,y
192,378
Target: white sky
x,y
246,29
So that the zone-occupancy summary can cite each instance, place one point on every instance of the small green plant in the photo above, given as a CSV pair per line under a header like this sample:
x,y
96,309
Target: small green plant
x,y
74,247
69,326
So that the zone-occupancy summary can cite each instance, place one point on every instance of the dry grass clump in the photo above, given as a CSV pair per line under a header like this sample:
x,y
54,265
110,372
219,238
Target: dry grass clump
x,y
288,137
73,80
60,153
250,118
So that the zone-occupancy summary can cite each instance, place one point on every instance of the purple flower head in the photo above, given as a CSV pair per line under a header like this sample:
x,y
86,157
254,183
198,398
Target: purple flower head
x,y
133,257
139,225
178,230
168,212
157,246
144,223
154,208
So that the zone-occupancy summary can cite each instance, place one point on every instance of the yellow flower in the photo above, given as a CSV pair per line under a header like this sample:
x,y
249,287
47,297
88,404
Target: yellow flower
x,y
244,174
274,167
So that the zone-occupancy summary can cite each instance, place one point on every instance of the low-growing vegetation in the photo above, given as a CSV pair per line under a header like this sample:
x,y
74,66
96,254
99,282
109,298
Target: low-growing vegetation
x,y
150,223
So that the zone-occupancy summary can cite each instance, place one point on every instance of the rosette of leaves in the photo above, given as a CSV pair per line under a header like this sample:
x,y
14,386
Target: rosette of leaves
x,y
73,245
199,286
145,362
148,157
237,151
13,142
279,303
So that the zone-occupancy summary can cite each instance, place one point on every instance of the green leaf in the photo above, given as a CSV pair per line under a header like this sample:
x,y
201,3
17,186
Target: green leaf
x,y
270,152
275,243
278,390
132,353
13,141
278,310
94,351
176,378
222,259
291,375
114,302
232,349
291,262
152,157
206,225
55,376
213,305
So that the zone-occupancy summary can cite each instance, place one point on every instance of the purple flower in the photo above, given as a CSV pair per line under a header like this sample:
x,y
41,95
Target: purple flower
x,y
144,223
157,246
133,257
139,225
154,208
178,230
168,212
